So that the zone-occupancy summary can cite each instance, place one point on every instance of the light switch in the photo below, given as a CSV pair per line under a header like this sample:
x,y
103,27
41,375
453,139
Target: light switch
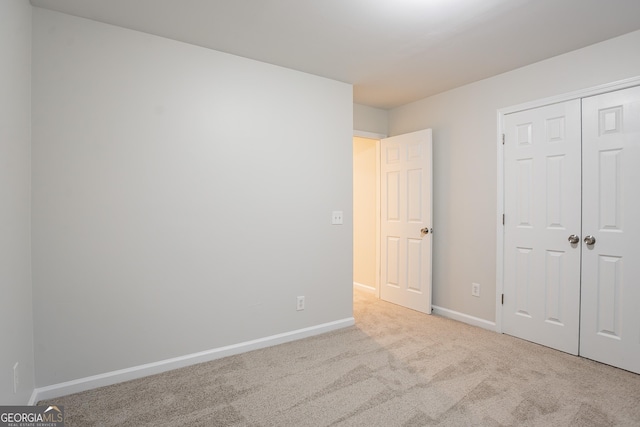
x,y
336,218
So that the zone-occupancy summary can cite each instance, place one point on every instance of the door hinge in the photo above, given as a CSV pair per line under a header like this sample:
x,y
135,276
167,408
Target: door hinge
x,y
502,219
503,139
502,302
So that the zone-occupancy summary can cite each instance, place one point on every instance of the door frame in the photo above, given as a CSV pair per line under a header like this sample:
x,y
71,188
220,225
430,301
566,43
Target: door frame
x,y
377,137
582,93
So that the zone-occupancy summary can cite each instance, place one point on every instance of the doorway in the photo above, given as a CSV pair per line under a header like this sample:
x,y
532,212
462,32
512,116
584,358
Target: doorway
x,y
393,218
366,213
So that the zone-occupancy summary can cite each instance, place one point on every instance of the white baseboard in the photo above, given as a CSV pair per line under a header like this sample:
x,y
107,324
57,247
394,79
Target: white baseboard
x,y
114,377
464,318
365,288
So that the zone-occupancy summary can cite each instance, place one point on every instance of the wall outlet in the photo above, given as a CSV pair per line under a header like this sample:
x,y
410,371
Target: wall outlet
x,y
300,304
16,378
475,289
336,218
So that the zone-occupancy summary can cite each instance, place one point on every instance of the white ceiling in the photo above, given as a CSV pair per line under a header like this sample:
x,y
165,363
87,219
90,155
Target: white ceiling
x,y
392,51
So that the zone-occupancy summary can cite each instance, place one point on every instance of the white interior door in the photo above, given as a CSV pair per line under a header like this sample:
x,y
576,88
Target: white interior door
x,y
542,210
610,324
406,212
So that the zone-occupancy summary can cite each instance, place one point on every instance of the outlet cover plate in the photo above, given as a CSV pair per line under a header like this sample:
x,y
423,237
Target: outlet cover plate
x,y
475,289
337,218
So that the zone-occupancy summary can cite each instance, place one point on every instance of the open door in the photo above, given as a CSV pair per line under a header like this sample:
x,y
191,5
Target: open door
x,y
406,220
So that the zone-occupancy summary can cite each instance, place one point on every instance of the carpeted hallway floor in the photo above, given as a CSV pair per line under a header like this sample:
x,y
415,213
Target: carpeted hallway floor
x,y
395,367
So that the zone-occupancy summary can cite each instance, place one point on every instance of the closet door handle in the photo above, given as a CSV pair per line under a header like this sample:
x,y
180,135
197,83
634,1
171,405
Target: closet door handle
x,y
573,239
590,240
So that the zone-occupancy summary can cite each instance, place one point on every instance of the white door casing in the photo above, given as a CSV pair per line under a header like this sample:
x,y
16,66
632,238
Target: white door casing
x,y
542,209
610,318
406,220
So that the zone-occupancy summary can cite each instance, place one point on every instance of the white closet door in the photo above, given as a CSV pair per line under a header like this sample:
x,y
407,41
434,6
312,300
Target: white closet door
x,y
610,324
542,210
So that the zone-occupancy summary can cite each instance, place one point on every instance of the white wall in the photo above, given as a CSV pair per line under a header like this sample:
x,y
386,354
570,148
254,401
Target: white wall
x,y
465,159
182,198
369,119
16,324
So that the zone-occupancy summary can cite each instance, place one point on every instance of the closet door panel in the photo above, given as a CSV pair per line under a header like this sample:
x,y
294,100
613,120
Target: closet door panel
x,y
542,209
610,310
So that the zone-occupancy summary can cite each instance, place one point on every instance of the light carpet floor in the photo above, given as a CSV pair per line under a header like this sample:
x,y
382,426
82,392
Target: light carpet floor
x,y
395,367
